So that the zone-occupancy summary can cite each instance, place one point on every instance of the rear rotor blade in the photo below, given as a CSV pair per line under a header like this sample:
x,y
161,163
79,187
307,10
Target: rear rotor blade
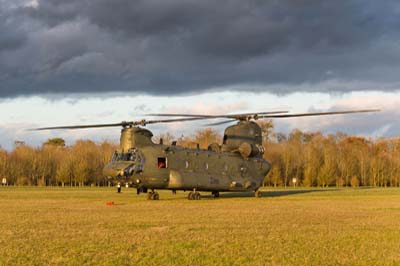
x,y
235,116
220,123
182,115
171,120
319,113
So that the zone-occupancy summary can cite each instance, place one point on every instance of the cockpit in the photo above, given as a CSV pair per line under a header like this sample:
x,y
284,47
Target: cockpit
x,y
133,155
125,163
120,156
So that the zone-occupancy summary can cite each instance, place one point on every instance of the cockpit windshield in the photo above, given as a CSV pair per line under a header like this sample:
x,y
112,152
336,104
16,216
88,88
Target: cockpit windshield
x,y
128,156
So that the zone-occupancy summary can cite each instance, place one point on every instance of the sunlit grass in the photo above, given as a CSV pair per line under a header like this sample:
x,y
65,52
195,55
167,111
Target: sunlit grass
x,y
74,226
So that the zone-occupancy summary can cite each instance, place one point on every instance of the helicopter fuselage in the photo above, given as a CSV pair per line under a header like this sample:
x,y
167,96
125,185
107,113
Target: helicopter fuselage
x,y
157,166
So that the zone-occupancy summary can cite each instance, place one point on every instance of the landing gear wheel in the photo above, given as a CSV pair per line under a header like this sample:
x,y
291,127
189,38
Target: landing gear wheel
x,y
196,196
258,194
149,195
155,196
215,194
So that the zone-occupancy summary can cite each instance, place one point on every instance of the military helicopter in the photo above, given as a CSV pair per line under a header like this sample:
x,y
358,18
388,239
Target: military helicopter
x,y
236,165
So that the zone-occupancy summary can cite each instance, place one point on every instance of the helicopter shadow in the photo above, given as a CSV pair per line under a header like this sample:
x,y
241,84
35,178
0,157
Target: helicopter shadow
x,y
272,194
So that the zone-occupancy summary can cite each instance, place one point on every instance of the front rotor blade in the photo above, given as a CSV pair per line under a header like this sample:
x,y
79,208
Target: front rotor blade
x,y
319,113
121,124
79,126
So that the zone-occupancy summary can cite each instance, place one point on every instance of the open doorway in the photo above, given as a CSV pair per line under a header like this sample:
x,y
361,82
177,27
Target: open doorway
x,y
161,162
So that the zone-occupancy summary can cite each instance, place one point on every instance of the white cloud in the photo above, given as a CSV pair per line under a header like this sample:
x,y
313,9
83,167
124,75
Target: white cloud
x,y
373,124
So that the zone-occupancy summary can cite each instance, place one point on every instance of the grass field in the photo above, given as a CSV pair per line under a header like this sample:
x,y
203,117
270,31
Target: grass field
x,y
64,226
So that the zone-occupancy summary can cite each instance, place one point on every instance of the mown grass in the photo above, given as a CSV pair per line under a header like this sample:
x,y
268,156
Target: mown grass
x,y
66,226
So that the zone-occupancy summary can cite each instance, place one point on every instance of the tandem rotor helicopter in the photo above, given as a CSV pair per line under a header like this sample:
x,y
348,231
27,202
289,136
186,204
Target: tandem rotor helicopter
x,y
236,165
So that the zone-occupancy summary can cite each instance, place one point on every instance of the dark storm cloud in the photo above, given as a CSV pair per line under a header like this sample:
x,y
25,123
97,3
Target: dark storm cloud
x,y
175,47
11,36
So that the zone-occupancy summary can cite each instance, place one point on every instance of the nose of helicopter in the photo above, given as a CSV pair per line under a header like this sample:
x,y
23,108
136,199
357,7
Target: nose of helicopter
x,y
118,169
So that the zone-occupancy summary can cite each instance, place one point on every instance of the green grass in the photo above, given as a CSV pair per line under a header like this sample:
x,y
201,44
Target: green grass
x,y
64,226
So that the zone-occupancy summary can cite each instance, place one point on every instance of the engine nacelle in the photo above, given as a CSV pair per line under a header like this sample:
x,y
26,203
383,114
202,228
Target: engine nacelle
x,y
245,138
250,150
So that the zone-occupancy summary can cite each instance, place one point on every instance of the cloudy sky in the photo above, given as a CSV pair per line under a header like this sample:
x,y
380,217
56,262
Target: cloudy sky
x,y
91,61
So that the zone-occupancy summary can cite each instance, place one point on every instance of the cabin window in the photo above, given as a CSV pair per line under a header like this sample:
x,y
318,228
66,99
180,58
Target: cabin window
x,y
161,162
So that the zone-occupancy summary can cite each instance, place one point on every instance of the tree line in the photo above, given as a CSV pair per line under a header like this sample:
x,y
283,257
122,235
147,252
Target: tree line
x,y
54,164
313,159
307,159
